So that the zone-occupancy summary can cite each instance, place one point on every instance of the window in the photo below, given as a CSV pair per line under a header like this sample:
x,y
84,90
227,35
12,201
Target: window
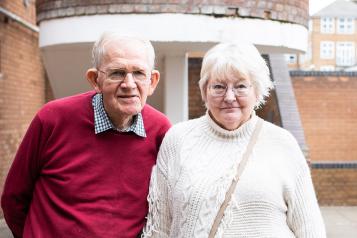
x,y
327,50
290,59
345,53
345,25
309,52
302,59
327,68
310,26
327,25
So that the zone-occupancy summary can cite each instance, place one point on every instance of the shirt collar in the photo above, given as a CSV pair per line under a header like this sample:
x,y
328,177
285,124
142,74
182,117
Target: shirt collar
x,y
102,122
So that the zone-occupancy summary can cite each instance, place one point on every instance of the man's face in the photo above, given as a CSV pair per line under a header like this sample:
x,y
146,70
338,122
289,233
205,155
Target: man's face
x,y
128,97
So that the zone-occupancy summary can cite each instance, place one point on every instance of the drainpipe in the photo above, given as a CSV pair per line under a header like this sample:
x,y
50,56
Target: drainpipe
x,y
19,20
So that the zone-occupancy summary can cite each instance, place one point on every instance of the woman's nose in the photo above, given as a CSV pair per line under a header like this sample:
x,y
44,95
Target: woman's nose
x,y
229,96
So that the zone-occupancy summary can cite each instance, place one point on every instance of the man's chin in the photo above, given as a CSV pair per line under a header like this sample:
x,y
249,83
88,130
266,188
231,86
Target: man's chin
x,y
130,110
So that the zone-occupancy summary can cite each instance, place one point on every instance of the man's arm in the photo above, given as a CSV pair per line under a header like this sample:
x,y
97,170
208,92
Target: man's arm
x,y
21,179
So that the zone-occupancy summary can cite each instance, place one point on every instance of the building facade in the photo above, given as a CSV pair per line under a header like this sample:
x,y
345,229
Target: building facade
x,y
332,40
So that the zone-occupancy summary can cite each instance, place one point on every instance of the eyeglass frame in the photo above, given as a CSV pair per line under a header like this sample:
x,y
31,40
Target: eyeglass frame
x,y
126,73
250,87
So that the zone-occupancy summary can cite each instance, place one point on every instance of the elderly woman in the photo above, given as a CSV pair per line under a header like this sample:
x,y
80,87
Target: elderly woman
x,y
198,160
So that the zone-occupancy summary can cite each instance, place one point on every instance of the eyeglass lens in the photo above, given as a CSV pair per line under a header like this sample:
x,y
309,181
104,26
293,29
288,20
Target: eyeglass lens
x,y
219,90
120,74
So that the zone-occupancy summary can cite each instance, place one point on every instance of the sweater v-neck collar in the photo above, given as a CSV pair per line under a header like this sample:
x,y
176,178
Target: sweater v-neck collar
x,y
243,133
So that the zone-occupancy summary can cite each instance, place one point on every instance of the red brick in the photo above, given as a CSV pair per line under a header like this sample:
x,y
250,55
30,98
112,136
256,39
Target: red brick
x,y
293,11
20,97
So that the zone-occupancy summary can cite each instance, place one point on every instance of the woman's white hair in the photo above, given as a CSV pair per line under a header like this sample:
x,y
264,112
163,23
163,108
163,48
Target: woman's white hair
x,y
117,35
239,59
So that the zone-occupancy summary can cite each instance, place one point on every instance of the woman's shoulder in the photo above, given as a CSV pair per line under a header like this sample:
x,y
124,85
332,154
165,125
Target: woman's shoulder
x,y
174,138
277,132
179,133
183,128
282,145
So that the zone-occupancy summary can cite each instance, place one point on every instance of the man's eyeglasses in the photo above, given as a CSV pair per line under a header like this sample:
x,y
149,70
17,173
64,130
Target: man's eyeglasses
x,y
219,90
119,75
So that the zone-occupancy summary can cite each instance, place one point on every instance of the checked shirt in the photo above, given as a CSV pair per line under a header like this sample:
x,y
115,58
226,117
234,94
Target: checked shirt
x,y
102,122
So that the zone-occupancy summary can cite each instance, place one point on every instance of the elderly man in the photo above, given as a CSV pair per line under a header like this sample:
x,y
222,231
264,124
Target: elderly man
x,y
84,165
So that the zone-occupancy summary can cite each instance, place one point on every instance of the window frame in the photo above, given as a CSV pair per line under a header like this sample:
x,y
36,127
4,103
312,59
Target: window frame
x,y
333,26
345,24
327,56
340,62
288,59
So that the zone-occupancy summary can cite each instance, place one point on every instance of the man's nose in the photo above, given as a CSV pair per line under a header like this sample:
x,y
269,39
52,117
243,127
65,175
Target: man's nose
x,y
128,81
229,96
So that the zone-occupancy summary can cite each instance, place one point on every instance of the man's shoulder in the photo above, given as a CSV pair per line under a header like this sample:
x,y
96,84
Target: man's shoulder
x,y
68,106
151,115
149,110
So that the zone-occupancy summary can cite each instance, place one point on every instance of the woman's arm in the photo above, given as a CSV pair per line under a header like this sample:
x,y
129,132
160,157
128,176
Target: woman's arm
x,y
159,217
304,216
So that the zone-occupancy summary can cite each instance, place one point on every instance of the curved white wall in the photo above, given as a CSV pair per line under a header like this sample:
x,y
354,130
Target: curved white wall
x,y
177,28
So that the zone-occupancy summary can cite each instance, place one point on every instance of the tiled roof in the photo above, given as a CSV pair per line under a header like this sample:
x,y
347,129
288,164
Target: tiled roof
x,y
339,8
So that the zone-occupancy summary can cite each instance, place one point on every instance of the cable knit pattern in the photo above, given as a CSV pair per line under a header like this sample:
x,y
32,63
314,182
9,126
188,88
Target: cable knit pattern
x,y
196,164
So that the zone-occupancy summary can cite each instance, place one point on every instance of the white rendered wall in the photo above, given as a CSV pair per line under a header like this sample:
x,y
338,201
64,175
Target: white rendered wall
x,y
176,88
157,99
177,28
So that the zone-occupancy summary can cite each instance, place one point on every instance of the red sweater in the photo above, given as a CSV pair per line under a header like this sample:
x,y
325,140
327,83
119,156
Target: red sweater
x,y
66,181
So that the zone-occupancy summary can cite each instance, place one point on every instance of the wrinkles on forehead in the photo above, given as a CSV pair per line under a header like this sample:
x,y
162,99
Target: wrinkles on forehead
x,y
125,48
133,51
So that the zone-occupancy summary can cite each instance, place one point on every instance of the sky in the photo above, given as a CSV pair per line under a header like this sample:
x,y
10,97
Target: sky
x,y
317,5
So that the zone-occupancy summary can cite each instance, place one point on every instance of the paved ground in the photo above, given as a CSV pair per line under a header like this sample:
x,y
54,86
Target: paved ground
x,y
341,222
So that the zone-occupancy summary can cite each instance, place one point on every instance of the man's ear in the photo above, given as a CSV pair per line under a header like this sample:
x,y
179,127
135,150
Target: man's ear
x,y
92,77
155,77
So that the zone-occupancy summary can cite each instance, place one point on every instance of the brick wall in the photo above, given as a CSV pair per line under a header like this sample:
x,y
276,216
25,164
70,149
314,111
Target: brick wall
x,y
335,186
196,106
270,111
295,11
328,112
22,85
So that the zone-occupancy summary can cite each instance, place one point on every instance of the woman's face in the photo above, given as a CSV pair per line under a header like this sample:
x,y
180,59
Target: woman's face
x,y
231,111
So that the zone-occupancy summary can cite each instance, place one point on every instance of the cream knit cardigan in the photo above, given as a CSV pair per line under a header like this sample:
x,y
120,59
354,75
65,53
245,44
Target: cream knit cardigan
x,y
196,164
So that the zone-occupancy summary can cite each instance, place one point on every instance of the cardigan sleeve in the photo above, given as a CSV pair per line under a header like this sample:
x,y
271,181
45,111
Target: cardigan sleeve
x,y
304,216
159,217
20,181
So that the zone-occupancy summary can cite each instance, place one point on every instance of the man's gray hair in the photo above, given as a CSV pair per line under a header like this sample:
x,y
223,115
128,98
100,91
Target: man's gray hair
x,y
118,34
240,59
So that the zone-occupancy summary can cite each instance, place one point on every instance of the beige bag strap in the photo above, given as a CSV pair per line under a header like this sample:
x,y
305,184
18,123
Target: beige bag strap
x,y
241,166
